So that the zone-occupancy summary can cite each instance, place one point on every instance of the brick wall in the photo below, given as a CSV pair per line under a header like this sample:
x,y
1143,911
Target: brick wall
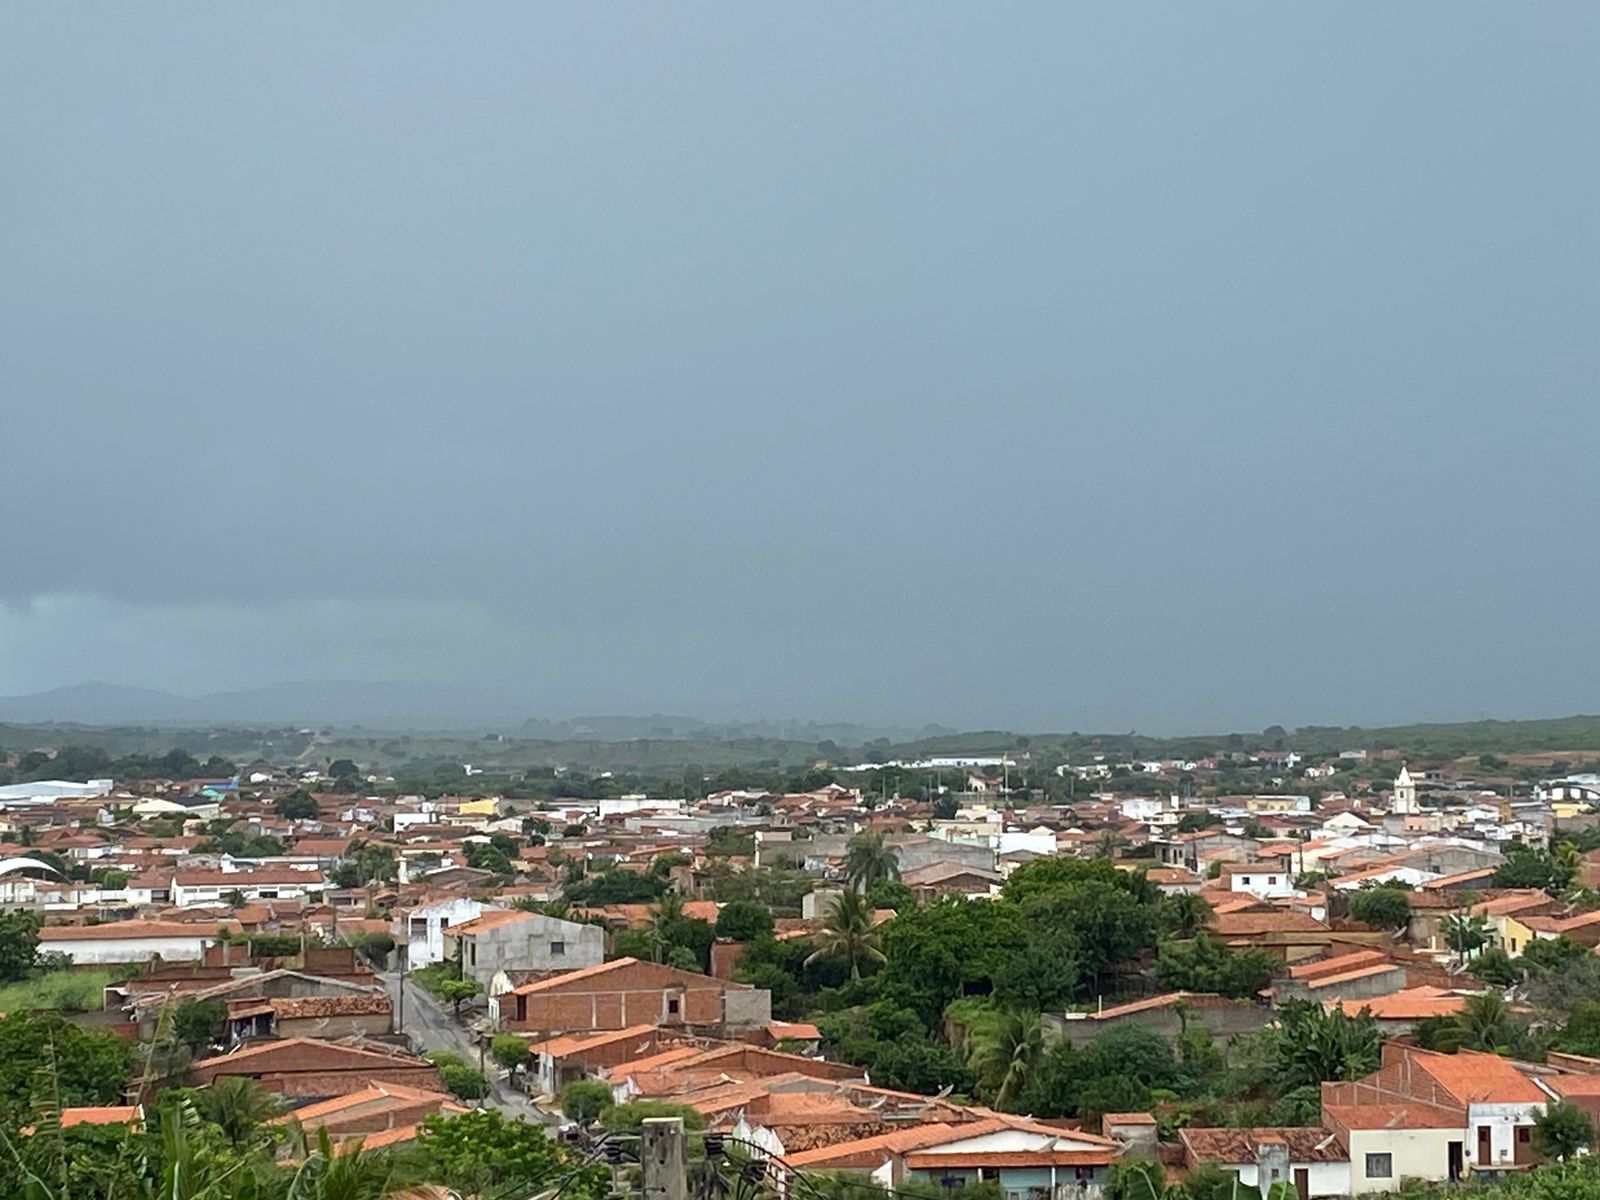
x,y
637,994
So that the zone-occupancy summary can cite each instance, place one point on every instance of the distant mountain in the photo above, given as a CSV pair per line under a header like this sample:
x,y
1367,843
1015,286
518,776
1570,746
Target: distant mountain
x,y
383,705
402,706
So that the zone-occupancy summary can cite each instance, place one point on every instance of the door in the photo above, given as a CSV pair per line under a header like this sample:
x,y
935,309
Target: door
x,y
1455,1161
1485,1158
1302,1182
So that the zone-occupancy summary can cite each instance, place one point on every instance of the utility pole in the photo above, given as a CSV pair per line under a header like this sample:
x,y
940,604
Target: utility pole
x,y
661,1153
400,1022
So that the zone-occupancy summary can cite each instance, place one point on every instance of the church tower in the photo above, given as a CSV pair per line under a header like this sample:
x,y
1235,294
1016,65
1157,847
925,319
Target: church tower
x,y
1405,794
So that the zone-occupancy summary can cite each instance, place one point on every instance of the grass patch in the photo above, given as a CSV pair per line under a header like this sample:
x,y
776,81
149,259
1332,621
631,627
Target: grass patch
x,y
61,991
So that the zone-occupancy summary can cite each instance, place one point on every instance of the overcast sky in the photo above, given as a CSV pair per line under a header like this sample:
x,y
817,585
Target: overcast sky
x,y
1129,366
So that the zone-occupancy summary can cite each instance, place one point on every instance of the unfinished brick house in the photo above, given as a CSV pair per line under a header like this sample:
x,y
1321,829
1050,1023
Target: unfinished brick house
x,y
626,992
308,1068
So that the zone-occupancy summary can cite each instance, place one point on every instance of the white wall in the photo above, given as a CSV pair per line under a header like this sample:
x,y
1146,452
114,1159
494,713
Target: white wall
x,y
428,947
1322,1179
128,950
1502,1120
1418,1153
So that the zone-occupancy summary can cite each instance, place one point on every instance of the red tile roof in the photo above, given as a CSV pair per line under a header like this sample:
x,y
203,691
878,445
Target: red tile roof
x,y
1472,1077
1306,1145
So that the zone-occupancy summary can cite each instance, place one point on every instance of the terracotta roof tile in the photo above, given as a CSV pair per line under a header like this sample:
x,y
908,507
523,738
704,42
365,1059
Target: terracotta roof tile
x,y
1306,1145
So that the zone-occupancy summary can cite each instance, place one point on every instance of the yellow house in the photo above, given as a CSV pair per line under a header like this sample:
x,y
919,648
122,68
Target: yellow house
x,y
1512,935
480,808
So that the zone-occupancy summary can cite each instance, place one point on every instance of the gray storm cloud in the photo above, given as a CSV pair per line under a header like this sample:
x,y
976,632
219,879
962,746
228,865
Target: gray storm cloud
x,y
1168,367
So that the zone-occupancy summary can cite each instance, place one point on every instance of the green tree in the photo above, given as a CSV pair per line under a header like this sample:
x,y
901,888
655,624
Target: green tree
x,y
324,1171
683,959
198,1023
1381,907
946,949
481,1153
19,942
1043,976
1184,914
1314,1045
240,1107
630,1117
88,1067
743,921
1565,863
868,858
1494,966
1550,954
848,933
1525,868
1562,1131
583,1100
484,857
1006,1056
1136,1179
296,806
344,770
511,1052
1484,1023
1463,933
891,893
1205,964
460,1078
457,992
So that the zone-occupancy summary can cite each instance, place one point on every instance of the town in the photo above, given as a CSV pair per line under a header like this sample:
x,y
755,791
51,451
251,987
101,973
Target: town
x,y
1013,970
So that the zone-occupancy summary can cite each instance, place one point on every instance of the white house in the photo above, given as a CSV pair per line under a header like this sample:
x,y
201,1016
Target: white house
x,y
129,941
192,886
1265,881
1313,1160
422,929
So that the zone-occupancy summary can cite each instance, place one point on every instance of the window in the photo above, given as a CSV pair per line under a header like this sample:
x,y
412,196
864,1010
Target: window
x,y
1522,1133
1245,880
472,953
1380,1166
672,1007
557,949
419,926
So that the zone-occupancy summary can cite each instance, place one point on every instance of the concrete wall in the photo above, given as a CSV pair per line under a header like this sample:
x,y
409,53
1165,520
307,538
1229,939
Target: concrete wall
x,y
743,1007
528,946
1383,983
916,850
1223,1019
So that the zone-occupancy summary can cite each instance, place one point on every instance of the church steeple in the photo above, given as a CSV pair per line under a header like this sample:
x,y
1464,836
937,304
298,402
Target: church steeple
x,y
1405,793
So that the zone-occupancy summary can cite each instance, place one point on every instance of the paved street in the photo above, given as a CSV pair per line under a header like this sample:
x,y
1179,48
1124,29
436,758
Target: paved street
x,y
431,1026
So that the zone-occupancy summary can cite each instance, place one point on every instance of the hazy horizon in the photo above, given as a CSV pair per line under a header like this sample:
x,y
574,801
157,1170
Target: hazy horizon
x,y
1171,368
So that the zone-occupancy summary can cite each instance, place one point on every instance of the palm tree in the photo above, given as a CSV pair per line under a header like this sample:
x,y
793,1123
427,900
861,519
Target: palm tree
x,y
1464,933
1185,914
1007,1056
668,908
343,1172
1565,863
667,913
238,1106
869,859
1107,844
848,934
1484,1023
